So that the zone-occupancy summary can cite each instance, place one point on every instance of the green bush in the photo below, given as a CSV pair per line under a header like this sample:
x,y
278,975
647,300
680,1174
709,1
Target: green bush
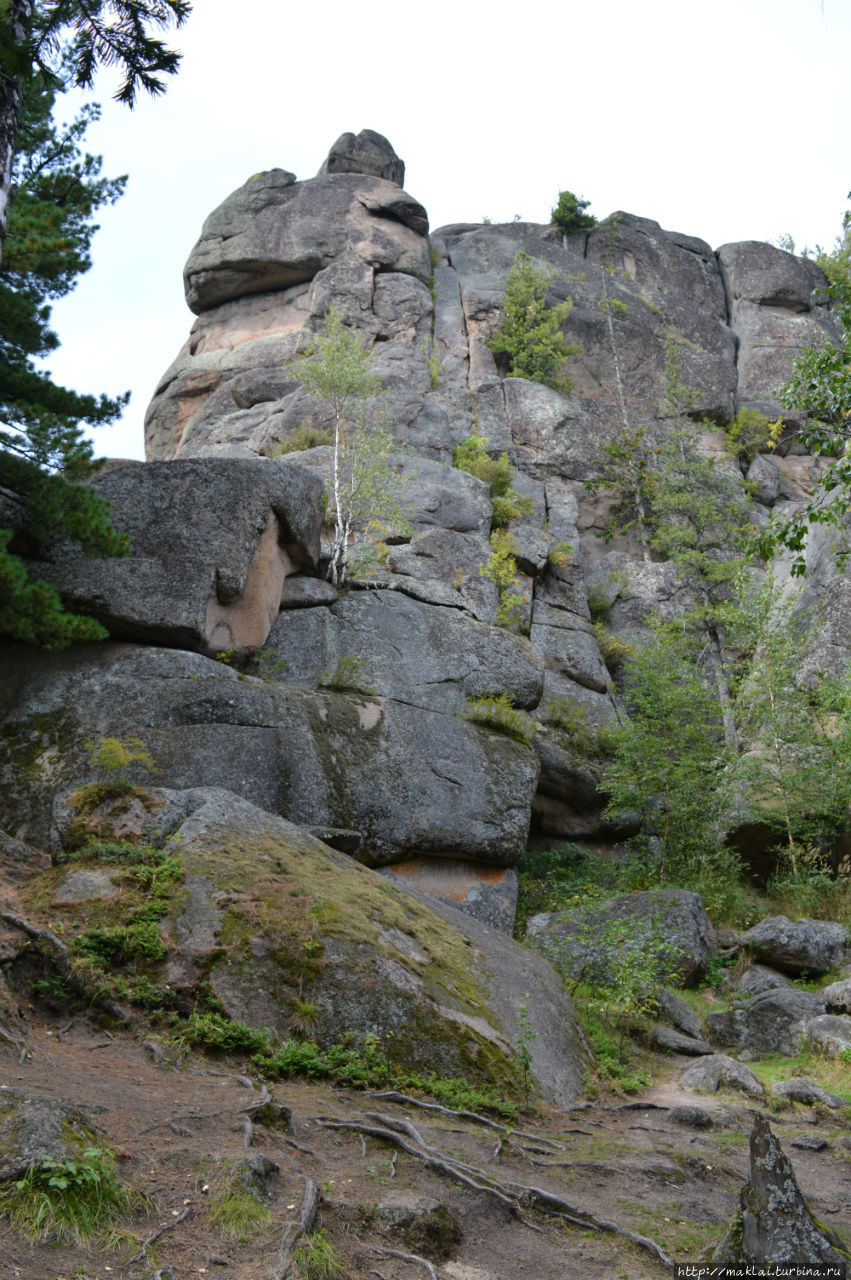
x,y
497,711
212,1031
501,569
68,1199
304,437
569,213
530,340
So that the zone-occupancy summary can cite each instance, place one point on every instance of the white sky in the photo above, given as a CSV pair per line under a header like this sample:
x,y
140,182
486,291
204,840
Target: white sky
x,y
728,121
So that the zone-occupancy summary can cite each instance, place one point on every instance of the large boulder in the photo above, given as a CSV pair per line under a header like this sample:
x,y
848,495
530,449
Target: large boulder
x,y
717,1071
35,1130
279,928
772,1022
211,543
274,232
411,781
686,938
830,1033
799,946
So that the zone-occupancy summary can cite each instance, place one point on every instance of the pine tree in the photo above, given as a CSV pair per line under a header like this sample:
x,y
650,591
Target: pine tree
x,y
44,457
530,337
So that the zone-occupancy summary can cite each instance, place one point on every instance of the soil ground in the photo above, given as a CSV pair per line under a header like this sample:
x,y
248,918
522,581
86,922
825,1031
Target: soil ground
x,y
178,1126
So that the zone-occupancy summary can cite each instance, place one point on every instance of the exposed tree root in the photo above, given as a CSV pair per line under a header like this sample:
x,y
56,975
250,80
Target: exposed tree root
x,y
406,1257
169,1226
390,1095
515,1195
295,1230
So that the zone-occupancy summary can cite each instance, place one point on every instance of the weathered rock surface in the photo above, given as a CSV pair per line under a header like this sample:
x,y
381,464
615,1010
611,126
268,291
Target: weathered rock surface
x,y
267,913
712,1073
672,1041
677,916
830,1033
34,1130
774,1226
837,996
365,152
772,1022
759,978
412,781
212,543
488,893
800,946
800,1090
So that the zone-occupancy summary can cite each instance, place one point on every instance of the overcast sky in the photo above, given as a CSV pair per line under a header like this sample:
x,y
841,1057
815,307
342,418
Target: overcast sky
x,y
728,121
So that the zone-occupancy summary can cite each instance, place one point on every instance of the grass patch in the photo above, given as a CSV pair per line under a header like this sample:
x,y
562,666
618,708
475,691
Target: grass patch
x,y
71,1199
497,711
831,1073
316,1259
217,1034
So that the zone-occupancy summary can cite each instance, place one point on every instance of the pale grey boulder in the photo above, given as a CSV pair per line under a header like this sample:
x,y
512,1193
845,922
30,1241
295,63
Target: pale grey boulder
x,y
772,1022
212,543
677,915
679,1014
759,978
830,1033
274,232
763,476
800,946
837,996
365,152
709,1074
671,1041
411,781
424,655
800,1090
35,1130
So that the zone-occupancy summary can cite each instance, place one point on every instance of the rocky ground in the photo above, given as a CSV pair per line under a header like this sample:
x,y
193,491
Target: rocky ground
x,y
667,1166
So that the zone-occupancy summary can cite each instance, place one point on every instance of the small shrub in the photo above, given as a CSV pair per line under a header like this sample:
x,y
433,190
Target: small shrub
x,y
304,437
121,944
569,213
113,756
472,456
750,432
345,674
510,506
71,1199
561,555
616,652
212,1031
497,711
583,737
315,1258
501,569
612,306
599,604
435,367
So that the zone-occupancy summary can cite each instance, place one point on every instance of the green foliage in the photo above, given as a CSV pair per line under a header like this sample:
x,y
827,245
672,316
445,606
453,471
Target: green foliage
x,y
363,492
569,213
316,1258
218,1034
571,719
435,367
304,437
497,711
820,387
501,569
612,306
524,1037
670,762
561,555
472,456
530,340
68,1199
112,757
44,457
368,1067
347,673
615,652
121,944
750,432
234,1211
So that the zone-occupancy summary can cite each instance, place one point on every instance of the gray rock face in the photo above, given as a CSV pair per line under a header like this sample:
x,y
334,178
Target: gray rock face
x,y
412,781
365,152
800,1090
707,1075
212,543
487,893
675,1042
677,915
275,232
830,1033
417,653
759,978
801,946
769,1023
837,996
679,1014
774,1225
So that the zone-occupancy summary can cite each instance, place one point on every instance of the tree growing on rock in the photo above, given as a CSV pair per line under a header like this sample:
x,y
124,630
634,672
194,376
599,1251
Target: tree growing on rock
x,y
530,338
363,491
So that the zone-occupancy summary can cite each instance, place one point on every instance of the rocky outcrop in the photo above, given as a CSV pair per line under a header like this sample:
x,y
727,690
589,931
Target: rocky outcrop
x,y
774,1226
211,545
800,946
709,1074
365,152
769,1023
411,781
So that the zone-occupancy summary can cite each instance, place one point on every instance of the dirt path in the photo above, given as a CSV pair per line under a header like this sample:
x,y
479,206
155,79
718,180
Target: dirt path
x,y
178,1129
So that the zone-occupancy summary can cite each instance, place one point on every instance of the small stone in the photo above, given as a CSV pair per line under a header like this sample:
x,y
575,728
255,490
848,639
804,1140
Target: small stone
x,y
809,1142
690,1117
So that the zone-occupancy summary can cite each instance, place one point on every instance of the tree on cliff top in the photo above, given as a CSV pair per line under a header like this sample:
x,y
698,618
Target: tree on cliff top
x,y
38,36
